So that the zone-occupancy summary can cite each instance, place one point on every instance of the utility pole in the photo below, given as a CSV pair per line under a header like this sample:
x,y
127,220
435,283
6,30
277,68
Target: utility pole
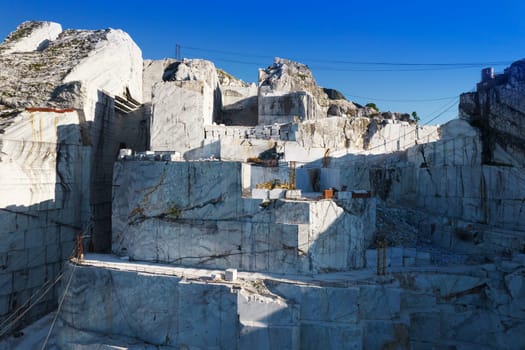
x,y
292,174
381,257
177,52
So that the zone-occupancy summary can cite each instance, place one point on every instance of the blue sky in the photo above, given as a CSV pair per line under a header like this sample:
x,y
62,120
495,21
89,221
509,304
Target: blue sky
x,y
331,37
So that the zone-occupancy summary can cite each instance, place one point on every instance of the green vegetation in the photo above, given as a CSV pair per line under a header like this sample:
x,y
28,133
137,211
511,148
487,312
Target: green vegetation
x,y
20,33
56,48
226,74
7,93
415,117
265,204
372,105
36,66
302,76
174,210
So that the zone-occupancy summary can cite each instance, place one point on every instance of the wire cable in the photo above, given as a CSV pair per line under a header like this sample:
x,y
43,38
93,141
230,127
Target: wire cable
x,y
384,63
342,69
59,307
400,100
8,319
28,303
11,324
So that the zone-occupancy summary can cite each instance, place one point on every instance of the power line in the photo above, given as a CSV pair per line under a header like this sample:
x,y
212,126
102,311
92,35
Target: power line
x,y
448,107
440,64
337,69
431,68
226,52
443,112
401,100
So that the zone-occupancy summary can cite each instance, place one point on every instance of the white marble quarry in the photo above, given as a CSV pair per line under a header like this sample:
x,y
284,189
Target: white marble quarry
x,y
397,257
72,70
180,313
260,193
194,69
261,174
313,140
497,108
293,194
277,193
231,94
457,128
230,275
294,152
241,149
294,269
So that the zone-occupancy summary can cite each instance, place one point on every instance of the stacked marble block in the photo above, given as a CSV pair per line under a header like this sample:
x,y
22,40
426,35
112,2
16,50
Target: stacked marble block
x,y
193,213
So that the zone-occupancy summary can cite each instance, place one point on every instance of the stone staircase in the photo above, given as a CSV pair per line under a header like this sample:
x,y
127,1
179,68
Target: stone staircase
x,y
126,105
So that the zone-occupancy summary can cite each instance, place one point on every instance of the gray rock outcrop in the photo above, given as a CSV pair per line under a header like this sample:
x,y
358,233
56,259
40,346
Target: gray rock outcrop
x,y
30,36
49,77
497,108
289,76
288,92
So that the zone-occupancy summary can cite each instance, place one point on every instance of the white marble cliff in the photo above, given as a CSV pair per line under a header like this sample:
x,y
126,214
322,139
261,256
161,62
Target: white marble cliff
x,y
221,214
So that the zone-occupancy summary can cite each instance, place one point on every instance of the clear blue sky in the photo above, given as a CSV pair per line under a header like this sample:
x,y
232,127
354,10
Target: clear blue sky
x,y
317,33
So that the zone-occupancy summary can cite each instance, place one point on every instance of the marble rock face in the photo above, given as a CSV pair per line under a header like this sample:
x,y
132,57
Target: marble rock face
x,y
239,100
186,100
180,109
289,76
30,36
498,110
288,91
58,142
467,182
372,135
193,213
409,309
30,158
70,70
193,69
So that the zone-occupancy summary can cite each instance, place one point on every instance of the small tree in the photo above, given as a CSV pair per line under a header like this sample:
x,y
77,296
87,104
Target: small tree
x,y
372,105
415,117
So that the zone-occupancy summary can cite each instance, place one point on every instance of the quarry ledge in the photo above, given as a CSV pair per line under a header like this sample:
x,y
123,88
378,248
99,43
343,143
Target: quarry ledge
x,y
197,308
340,279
